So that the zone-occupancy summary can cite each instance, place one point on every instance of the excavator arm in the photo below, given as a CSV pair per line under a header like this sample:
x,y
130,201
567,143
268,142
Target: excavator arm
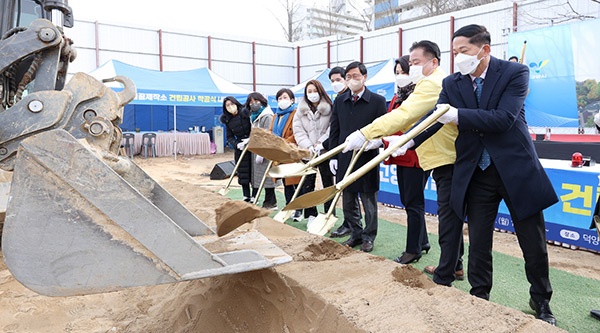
x,y
81,218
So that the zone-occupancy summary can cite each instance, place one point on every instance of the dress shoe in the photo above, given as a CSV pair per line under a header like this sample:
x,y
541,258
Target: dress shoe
x,y
426,247
460,274
407,258
352,242
542,311
341,232
367,246
595,314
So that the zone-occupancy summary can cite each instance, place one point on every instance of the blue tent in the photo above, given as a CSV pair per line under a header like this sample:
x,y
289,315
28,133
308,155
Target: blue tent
x,y
381,78
187,98
298,90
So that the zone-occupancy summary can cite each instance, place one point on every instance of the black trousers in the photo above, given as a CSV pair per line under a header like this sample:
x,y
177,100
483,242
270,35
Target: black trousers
x,y
450,228
353,216
411,184
484,194
327,179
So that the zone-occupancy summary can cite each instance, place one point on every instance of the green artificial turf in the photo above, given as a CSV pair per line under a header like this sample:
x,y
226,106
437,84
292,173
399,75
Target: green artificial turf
x,y
574,296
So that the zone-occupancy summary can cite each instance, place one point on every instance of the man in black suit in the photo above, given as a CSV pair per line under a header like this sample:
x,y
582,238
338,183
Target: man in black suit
x,y
354,109
495,160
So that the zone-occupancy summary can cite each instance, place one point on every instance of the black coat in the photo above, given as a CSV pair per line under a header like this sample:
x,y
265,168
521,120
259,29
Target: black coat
x,y
348,117
238,128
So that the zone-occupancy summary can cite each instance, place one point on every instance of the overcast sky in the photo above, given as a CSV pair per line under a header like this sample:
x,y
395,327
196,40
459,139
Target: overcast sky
x,y
252,18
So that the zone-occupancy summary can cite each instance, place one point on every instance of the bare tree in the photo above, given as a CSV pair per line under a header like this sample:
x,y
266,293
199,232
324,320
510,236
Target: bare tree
x,y
330,20
558,12
364,9
436,7
292,26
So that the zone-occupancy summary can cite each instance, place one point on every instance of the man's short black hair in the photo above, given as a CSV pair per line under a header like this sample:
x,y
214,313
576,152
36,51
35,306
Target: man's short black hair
x,y
357,64
337,70
513,57
429,48
477,34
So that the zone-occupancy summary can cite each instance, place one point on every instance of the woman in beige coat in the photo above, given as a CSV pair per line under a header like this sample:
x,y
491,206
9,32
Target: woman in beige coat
x,y
311,129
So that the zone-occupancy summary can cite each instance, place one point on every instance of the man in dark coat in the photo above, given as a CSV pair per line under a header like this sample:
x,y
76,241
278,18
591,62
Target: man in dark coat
x,y
237,123
354,109
495,160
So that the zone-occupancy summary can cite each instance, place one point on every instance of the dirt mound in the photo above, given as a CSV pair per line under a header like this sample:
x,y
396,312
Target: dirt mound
x,y
323,249
412,277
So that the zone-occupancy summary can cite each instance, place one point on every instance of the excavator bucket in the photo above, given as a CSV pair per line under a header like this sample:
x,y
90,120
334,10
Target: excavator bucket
x,y
82,222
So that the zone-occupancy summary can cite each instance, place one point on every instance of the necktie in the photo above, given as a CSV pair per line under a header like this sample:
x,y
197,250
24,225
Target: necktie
x,y
354,98
484,160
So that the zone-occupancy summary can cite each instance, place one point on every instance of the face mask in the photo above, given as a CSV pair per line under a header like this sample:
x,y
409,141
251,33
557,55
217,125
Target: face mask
x,y
403,80
313,97
467,64
255,107
416,73
233,109
337,86
355,85
284,103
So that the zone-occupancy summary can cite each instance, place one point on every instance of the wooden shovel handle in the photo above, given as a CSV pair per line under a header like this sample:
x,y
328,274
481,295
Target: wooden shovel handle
x,y
349,179
237,165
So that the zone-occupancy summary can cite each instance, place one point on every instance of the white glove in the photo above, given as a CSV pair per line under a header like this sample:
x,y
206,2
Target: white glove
x,y
451,116
259,159
354,141
402,150
373,144
242,144
333,165
316,149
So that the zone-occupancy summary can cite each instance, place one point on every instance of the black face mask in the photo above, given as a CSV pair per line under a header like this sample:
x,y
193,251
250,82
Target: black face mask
x,y
255,107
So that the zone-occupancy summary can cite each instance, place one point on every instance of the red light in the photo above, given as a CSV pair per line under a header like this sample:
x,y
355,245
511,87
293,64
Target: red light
x,y
577,160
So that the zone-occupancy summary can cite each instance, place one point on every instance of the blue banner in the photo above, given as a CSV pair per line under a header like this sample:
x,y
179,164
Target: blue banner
x,y
567,221
564,76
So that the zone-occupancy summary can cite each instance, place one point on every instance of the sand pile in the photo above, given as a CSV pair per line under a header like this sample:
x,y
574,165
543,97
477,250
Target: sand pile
x,y
275,148
327,288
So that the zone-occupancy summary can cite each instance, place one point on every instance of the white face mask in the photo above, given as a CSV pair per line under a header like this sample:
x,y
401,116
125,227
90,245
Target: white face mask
x,y
467,64
403,80
313,97
355,85
416,73
232,108
284,103
337,86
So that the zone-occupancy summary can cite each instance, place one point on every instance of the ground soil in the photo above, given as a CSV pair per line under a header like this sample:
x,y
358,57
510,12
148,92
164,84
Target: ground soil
x,y
326,288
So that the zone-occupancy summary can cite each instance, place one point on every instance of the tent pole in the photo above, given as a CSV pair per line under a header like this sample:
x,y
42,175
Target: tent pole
x,y
175,129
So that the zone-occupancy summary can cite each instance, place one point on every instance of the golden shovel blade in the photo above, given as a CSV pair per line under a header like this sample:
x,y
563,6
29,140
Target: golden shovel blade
x,y
283,215
321,224
291,170
312,199
223,191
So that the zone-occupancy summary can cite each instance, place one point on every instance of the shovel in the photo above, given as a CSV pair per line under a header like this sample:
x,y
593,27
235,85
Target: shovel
x,y
299,169
283,214
317,197
262,183
225,189
322,223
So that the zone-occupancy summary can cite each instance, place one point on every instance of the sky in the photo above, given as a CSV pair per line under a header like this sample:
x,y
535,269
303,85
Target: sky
x,y
248,18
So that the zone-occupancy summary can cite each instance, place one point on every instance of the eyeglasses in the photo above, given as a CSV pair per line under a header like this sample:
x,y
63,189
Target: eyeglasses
x,y
354,76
